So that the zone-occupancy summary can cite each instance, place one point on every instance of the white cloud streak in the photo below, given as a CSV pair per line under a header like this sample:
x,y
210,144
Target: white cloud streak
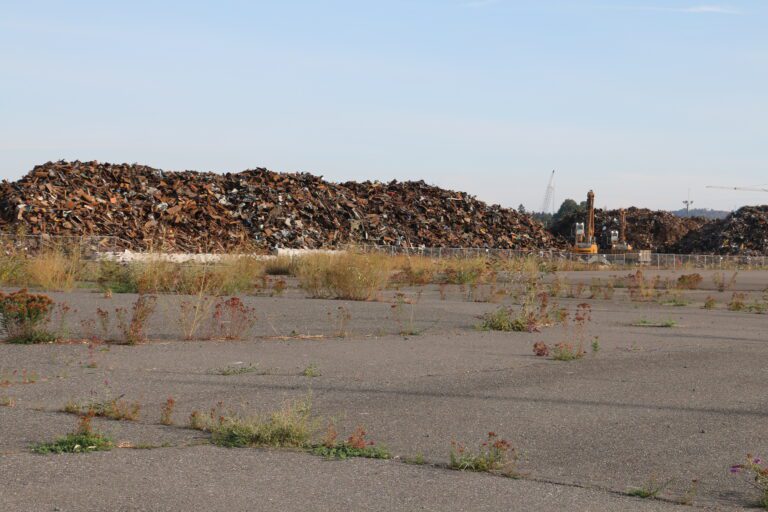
x,y
480,3
695,9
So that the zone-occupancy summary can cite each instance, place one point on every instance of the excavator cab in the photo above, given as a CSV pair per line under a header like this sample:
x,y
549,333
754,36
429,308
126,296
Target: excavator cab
x,y
584,232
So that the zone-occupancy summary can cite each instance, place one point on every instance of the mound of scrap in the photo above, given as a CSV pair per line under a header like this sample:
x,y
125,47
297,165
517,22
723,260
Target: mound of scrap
x,y
146,208
743,232
659,231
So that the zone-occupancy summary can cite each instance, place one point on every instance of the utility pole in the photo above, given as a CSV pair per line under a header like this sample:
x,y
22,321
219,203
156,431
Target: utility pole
x,y
688,204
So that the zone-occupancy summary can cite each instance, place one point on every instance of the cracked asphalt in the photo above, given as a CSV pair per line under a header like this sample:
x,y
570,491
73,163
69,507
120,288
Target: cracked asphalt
x,y
671,404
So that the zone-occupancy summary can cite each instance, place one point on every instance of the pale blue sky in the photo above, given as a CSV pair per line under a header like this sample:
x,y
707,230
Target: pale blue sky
x,y
639,99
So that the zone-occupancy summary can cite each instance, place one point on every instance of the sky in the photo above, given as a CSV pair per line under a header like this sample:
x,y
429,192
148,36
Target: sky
x,y
644,101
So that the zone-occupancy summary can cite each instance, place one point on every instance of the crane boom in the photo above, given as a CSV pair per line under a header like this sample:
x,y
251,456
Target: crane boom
x,y
747,189
549,195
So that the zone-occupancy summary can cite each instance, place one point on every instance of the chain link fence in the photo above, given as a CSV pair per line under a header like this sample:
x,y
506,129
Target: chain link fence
x,y
630,260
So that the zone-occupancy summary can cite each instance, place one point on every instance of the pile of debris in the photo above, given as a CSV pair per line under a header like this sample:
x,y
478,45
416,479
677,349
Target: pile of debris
x,y
659,231
192,211
743,232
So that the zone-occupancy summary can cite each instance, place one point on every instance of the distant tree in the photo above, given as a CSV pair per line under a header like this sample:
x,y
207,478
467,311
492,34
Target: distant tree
x,y
568,207
521,208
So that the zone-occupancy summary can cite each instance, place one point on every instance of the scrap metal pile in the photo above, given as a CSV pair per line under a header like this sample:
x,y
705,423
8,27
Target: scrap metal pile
x,y
743,232
206,212
658,231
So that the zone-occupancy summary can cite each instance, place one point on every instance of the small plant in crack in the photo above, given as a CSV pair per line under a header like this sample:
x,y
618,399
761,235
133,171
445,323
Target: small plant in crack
x,y
755,471
643,322
312,370
416,460
404,320
341,321
355,446
17,377
690,493
83,440
238,369
232,319
207,422
651,488
114,409
133,328
166,413
494,455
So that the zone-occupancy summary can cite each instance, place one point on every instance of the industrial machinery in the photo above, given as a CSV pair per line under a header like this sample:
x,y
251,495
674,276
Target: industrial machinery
x,y
584,232
619,243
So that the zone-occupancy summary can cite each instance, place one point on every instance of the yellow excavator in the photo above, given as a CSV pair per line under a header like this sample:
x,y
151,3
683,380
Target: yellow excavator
x,y
619,243
584,242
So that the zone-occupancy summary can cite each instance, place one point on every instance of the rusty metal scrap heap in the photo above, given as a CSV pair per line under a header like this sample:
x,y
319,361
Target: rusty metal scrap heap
x,y
208,212
743,232
659,231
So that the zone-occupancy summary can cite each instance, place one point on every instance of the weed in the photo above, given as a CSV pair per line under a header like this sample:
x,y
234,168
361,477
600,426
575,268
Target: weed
x,y
417,459
690,494
232,319
689,281
640,288
718,278
647,323
676,301
343,317
166,413
83,440
278,287
596,345
115,409
566,352
405,322
133,330
22,316
494,455
291,426
237,370
6,401
738,302
540,349
710,303
534,314
17,377
192,313
755,472
61,315
355,446
650,489
311,371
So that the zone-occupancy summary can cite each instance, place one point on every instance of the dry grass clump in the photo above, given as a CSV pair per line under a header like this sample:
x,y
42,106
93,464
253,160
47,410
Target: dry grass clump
x,y
54,269
291,426
13,269
232,274
344,276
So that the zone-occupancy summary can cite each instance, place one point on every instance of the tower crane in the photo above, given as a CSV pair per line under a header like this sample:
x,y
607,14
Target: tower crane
x,y
743,189
549,195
